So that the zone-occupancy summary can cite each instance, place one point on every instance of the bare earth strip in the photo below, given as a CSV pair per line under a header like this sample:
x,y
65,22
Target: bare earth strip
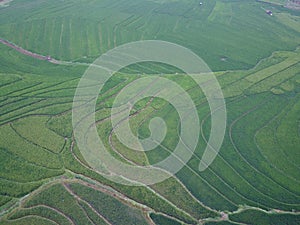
x,y
23,51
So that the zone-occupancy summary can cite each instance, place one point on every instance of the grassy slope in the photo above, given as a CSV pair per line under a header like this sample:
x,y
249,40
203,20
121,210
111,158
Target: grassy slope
x,y
259,166
257,178
82,30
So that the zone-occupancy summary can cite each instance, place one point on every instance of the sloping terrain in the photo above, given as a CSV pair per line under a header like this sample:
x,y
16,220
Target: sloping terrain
x,y
255,179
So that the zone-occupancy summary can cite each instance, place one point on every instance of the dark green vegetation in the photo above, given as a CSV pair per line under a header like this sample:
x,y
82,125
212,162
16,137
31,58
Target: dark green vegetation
x,y
258,165
162,220
73,202
260,218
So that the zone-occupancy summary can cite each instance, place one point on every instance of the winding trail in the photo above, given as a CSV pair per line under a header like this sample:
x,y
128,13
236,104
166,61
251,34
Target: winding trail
x,y
39,56
26,52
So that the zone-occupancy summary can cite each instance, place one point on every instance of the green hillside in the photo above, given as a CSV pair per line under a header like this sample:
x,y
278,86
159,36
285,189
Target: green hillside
x,y
255,179
82,30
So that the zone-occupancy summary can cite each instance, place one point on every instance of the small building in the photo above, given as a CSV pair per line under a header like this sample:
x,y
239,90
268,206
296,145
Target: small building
x,y
269,12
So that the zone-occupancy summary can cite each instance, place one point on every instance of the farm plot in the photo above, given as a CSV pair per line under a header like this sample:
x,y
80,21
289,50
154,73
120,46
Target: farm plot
x,y
255,176
79,31
224,189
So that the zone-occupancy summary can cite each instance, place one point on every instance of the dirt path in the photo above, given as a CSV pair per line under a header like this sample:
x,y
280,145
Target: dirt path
x,y
38,56
26,52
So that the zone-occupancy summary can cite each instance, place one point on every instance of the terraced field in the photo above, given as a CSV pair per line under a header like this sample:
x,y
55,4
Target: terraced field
x,y
255,178
82,30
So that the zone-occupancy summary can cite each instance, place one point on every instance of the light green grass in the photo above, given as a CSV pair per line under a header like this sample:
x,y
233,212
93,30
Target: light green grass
x,y
11,141
289,20
84,30
39,134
